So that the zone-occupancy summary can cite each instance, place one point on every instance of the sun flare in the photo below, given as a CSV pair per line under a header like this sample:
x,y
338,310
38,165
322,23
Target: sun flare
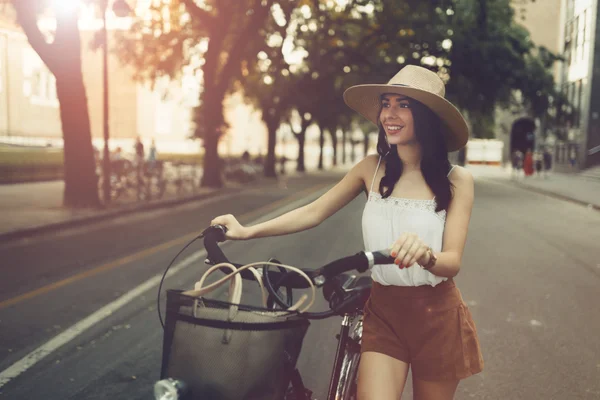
x,y
65,7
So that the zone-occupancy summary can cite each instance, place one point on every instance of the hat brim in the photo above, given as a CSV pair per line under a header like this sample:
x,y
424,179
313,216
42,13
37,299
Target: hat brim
x,y
366,100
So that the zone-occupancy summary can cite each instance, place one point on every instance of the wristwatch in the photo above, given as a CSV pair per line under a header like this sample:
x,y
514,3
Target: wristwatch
x,y
432,260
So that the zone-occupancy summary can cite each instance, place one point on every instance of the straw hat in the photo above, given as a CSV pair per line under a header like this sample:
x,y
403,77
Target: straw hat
x,y
420,84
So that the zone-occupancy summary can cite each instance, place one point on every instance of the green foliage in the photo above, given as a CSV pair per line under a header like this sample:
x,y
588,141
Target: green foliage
x,y
474,45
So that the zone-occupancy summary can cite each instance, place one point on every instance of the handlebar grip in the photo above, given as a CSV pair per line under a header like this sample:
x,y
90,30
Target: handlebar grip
x,y
358,261
383,257
216,233
212,236
361,262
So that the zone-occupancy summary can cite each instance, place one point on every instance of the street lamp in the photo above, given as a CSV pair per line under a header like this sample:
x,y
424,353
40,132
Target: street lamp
x,y
121,9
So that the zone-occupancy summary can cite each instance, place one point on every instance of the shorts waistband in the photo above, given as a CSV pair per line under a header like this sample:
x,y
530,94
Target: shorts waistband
x,y
414,291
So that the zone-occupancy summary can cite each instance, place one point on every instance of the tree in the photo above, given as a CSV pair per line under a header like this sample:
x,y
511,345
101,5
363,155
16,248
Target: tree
x,y
492,58
213,36
266,79
62,56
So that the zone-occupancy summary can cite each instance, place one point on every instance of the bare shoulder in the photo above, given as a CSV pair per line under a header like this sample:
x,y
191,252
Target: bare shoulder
x,y
367,165
370,162
461,177
464,187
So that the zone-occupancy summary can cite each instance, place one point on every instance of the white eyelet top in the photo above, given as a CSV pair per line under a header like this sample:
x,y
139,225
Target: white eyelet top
x,y
384,220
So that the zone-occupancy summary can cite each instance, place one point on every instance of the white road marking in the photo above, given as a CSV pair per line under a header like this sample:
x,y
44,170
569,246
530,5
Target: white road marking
x,y
70,333
75,330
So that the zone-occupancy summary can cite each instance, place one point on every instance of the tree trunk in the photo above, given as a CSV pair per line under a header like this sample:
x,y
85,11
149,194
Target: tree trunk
x,y
81,181
213,164
218,78
334,145
63,59
271,142
212,122
321,146
367,143
301,142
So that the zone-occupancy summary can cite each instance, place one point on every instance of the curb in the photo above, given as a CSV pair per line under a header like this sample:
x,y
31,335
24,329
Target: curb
x,y
100,217
137,207
549,194
559,196
125,210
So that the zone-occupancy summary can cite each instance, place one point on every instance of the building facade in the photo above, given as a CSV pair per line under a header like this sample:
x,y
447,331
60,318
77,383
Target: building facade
x,y
515,127
580,81
29,107
28,102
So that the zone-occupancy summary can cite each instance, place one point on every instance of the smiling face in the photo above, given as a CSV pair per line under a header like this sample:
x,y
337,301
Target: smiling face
x,y
397,119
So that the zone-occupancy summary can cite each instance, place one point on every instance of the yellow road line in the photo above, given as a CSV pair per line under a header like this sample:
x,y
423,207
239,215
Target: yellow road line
x,y
147,252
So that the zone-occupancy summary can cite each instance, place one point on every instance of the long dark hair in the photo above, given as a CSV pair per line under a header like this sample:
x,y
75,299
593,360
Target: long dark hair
x,y
434,158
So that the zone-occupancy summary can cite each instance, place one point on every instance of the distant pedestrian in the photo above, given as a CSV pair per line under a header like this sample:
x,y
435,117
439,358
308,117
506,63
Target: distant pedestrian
x,y
538,161
152,153
246,157
547,156
139,157
139,150
117,163
572,156
528,163
283,160
517,163
117,154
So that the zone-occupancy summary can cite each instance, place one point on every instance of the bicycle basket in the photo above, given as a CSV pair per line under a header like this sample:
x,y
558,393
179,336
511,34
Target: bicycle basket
x,y
229,351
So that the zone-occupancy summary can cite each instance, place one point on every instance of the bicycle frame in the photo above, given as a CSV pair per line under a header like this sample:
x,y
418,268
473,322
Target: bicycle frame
x,y
347,357
342,385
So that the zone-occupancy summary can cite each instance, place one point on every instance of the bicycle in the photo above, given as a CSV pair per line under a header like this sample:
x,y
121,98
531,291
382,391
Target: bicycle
x,y
345,293
153,184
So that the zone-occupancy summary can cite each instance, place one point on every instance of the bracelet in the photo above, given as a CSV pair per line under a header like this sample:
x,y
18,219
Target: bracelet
x,y
432,260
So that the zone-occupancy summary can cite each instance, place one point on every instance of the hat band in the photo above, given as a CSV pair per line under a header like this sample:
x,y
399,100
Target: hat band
x,y
399,84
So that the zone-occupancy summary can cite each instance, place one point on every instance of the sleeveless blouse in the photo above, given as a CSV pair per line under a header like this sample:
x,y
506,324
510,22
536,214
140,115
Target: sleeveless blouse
x,y
384,220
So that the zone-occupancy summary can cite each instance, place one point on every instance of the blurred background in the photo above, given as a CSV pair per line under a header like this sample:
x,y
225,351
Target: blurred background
x,y
127,126
208,80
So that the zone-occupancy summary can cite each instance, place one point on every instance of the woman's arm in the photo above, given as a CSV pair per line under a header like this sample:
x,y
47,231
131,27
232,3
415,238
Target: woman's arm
x,y
308,216
457,224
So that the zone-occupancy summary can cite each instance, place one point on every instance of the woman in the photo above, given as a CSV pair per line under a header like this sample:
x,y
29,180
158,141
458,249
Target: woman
x,y
419,206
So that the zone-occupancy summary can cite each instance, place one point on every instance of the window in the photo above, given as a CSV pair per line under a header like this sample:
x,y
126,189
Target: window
x,y
581,27
39,84
573,57
568,41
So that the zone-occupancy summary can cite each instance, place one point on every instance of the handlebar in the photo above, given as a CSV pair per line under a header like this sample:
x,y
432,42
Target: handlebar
x,y
360,262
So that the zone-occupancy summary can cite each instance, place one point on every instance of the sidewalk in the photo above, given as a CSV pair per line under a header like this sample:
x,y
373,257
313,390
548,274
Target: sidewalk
x,y
27,209
31,208
582,188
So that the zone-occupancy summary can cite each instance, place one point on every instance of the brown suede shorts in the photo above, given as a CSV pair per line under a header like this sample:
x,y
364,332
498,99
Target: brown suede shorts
x,y
430,328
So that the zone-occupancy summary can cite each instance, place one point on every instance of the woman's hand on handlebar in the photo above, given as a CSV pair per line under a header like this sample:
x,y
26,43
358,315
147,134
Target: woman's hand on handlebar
x,y
235,230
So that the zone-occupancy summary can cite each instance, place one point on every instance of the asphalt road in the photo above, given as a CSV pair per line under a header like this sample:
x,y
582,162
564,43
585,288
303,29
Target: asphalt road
x,y
531,276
